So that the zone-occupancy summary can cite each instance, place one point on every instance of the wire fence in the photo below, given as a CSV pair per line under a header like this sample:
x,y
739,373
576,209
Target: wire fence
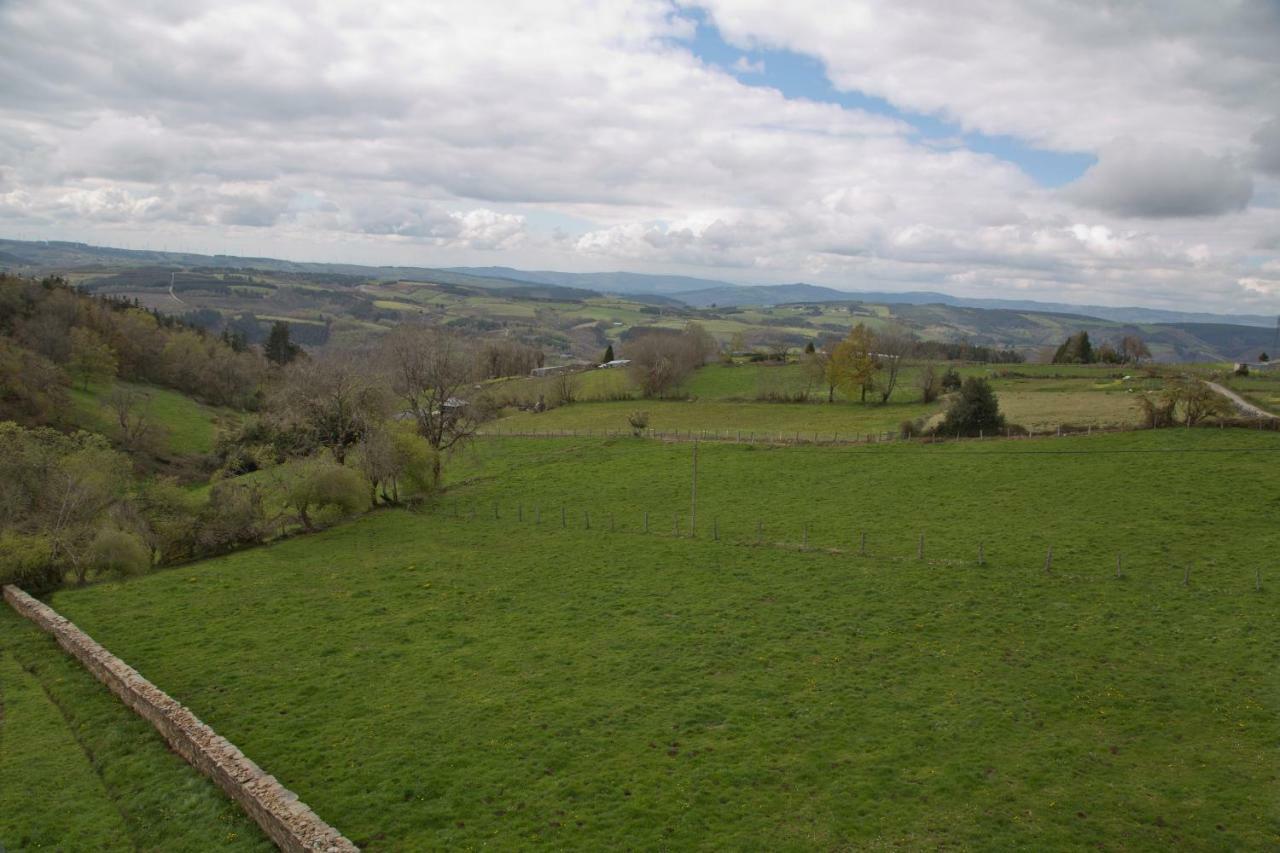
x,y
902,546
817,437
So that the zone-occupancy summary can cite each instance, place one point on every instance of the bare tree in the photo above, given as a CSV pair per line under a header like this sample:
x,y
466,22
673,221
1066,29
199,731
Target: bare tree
x,y
430,370
929,383
333,400
131,410
892,348
564,387
662,360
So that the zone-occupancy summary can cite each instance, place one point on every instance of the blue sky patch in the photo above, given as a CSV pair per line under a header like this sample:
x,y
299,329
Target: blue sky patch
x,y
799,76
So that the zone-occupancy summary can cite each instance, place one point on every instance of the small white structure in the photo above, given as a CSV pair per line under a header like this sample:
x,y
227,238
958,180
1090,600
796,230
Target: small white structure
x,y
617,362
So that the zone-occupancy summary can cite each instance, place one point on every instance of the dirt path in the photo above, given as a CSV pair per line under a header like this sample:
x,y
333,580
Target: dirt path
x,y
1239,402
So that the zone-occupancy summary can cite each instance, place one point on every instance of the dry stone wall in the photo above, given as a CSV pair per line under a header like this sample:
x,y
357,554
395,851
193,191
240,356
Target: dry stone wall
x,y
283,817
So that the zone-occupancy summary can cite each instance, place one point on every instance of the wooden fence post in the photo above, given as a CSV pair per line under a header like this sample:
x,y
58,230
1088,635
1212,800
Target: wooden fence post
x,y
1048,560
563,522
862,546
920,547
982,559
646,521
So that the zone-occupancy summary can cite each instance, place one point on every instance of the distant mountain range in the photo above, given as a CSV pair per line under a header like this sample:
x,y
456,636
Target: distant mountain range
x,y
703,293
61,256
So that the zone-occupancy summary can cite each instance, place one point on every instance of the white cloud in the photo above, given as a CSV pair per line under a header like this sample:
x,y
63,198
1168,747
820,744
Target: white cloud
x,y
442,133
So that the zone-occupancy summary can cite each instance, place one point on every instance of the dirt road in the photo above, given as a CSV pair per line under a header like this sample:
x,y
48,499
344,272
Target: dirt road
x,y
1239,402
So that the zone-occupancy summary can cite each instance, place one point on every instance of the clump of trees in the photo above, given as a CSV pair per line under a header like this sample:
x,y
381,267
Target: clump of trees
x,y
54,335
1078,349
1184,402
661,359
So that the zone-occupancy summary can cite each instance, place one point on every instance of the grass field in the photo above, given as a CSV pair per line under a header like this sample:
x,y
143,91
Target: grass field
x,y
721,397
427,681
79,771
192,426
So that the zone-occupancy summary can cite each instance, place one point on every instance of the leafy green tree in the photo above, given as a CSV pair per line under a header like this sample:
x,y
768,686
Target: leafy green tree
x,y
279,348
320,483
92,360
976,410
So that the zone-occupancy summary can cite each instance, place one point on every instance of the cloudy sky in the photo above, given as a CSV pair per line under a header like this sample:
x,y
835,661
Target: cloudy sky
x,y
1112,153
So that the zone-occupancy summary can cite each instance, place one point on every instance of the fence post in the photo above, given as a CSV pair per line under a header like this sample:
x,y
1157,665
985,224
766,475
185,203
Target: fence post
x,y
1118,564
537,515
862,546
920,547
519,512
586,517
804,535
1257,580
715,529
1048,560
675,525
1186,574
982,558
495,510
611,527
562,516
759,531
646,521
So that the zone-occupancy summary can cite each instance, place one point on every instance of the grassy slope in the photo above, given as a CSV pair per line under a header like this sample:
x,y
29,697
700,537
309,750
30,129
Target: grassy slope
x,y
192,425
79,771
424,681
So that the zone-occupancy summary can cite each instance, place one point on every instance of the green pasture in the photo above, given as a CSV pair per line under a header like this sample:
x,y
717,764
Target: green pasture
x,y
80,771
475,674
192,427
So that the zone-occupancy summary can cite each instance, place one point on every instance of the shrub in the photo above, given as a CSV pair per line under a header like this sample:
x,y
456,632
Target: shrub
x,y
639,422
910,428
28,562
951,380
320,484
120,553
976,410
1242,369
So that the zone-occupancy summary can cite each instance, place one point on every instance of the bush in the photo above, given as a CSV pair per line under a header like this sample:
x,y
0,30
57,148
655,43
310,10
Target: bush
x,y
28,562
951,380
910,428
639,422
1242,369
119,553
322,484
976,411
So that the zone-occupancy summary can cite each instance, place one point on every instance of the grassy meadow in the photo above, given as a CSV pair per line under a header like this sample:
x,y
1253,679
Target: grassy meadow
x,y
722,397
475,674
80,771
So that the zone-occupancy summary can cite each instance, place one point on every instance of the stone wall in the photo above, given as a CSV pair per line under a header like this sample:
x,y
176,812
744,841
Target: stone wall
x,y
283,817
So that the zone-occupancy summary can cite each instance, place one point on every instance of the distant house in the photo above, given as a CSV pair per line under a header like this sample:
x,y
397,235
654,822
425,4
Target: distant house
x,y
617,362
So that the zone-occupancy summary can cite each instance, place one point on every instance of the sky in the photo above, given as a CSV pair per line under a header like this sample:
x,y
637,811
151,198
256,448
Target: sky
x,y
1096,153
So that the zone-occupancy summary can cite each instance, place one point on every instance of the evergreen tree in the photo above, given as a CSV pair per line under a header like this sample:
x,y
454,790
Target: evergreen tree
x,y
608,354
975,411
1075,350
809,348
279,349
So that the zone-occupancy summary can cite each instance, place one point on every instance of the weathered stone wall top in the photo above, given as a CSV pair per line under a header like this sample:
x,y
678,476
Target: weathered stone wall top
x,y
283,817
